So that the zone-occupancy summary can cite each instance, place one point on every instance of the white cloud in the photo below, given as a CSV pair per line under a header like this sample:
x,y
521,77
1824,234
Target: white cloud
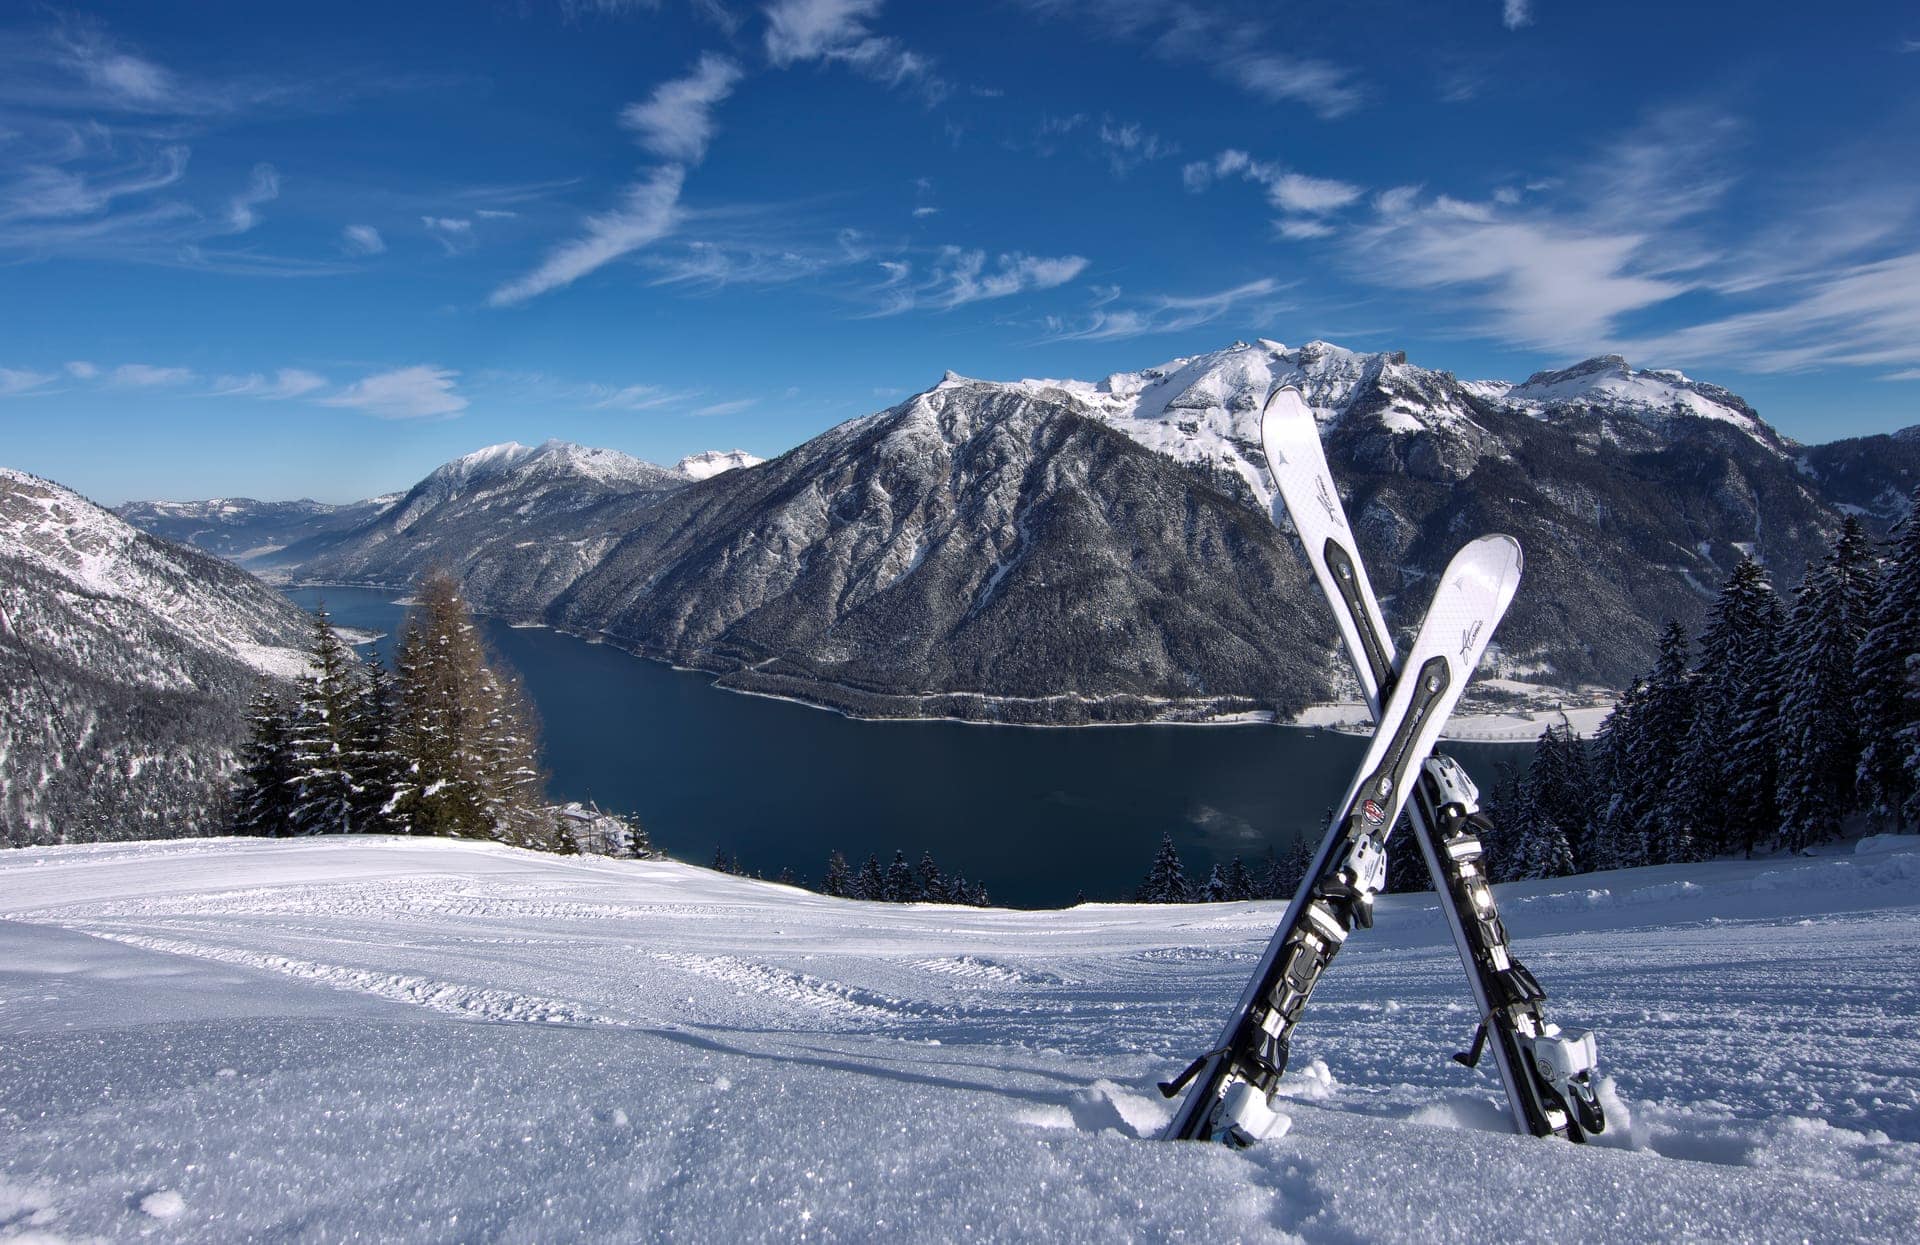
x,y
1164,313
924,211
80,369
288,382
495,214
1325,88
419,392
263,186
146,376
16,382
1129,146
649,213
638,398
1302,200
836,30
1516,13
362,240
962,276
676,121
725,408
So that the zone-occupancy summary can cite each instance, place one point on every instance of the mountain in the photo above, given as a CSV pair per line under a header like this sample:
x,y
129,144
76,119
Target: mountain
x,y
1069,550
517,523
712,462
127,661
980,551
244,530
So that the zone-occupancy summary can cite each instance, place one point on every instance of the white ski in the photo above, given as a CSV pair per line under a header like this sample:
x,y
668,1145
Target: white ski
x,y
1507,997
1231,1085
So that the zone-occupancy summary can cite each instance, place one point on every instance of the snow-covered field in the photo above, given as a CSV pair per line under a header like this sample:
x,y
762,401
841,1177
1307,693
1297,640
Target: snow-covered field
x,y
418,1040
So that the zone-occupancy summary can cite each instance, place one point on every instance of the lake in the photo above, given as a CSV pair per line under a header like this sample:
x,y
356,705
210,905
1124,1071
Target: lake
x,y
1037,814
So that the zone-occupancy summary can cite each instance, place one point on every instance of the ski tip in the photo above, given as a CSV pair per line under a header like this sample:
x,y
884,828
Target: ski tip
x,y
1283,421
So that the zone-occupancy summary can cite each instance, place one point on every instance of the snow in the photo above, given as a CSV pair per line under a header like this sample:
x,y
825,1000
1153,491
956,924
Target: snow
x,y
709,463
409,1040
1609,382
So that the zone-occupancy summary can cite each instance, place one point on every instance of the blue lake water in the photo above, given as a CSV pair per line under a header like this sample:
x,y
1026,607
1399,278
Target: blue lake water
x,y
1039,815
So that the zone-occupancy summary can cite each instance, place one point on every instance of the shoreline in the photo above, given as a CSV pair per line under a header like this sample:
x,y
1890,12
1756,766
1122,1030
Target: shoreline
x,y
1338,717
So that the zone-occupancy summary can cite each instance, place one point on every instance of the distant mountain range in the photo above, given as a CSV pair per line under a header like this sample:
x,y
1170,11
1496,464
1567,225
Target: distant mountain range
x,y
126,663
1060,551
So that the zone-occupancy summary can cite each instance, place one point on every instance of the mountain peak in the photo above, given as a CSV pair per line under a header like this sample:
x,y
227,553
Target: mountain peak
x,y
709,463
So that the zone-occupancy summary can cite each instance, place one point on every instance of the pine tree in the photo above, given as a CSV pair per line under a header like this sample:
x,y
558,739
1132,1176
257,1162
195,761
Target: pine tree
x,y
1665,716
901,886
839,880
1240,883
324,798
928,880
1886,703
262,794
1214,890
1505,811
1558,800
1540,851
1819,750
1735,668
1167,880
723,861
464,733
371,761
872,883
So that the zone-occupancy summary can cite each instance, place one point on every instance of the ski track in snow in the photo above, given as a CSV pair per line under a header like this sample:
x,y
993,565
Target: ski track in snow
x,y
433,1040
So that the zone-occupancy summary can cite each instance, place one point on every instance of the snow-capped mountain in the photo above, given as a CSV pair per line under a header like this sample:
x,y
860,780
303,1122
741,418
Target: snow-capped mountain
x,y
709,463
519,522
244,530
126,661
963,552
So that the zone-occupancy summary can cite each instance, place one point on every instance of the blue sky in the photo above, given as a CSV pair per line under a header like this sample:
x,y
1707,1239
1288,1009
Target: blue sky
x,y
284,250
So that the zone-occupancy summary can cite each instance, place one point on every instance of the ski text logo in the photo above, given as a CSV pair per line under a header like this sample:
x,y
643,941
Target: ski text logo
x,y
1372,813
1467,638
1323,493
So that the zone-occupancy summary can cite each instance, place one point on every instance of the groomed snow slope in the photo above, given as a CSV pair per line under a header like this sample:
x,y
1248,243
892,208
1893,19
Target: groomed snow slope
x,y
403,1040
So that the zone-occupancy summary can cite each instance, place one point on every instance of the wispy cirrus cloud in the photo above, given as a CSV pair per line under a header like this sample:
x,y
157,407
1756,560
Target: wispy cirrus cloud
x,y
362,240
286,383
17,381
453,233
1234,42
423,391
80,369
837,31
1516,13
263,186
1113,316
732,407
958,276
647,213
1305,202
147,376
676,121
1129,146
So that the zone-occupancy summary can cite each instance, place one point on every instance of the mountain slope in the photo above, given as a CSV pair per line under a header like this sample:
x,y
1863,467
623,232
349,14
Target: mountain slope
x,y
1000,549
517,523
244,530
978,551
125,661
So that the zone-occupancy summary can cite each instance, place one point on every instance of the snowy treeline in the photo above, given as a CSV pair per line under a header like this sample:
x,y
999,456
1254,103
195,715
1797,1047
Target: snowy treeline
x,y
1276,878
899,882
442,745
1788,721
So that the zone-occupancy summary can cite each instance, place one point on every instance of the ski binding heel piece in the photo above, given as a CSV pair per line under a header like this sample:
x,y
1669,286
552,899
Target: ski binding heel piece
x,y
1564,1061
1246,1115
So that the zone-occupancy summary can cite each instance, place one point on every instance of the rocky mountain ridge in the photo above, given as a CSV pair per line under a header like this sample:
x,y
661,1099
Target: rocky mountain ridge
x,y
1057,550
126,662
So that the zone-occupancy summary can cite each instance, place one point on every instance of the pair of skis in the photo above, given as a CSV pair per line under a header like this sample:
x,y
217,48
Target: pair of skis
x,y
1547,1073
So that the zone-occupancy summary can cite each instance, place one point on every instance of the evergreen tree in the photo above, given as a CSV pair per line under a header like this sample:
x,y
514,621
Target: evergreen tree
x,y
1214,890
262,794
901,885
872,883
371,761
1505,811
1886,704
928,881
463,733
786,877
324,797
1239,880
1666,715
723,861
1558,799
839,880
1819,749
1616,842
1167,880
1735,668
